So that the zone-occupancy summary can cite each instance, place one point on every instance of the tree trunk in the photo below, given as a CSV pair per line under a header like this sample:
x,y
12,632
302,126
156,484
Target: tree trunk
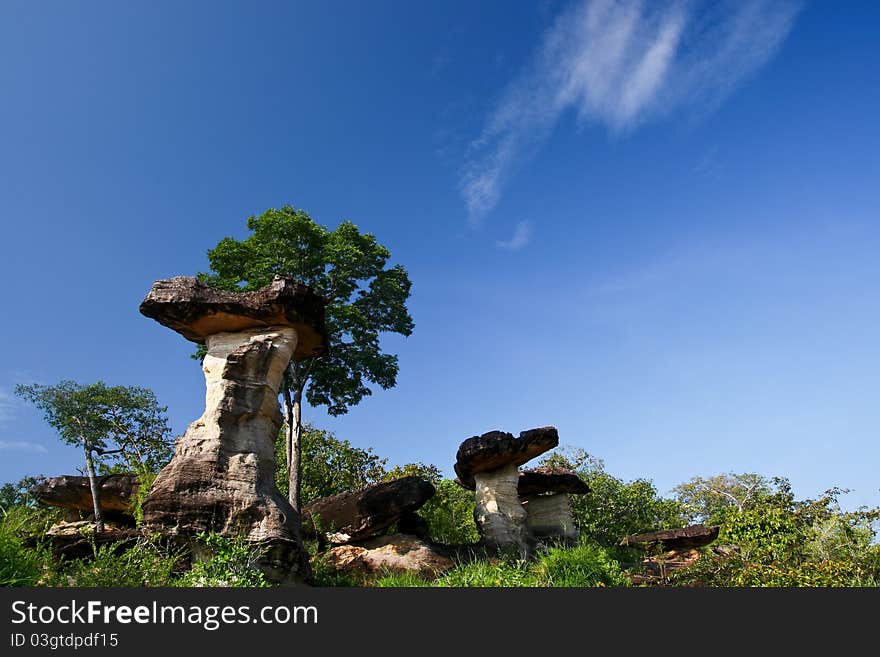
x,y
293,417
294,478
93,484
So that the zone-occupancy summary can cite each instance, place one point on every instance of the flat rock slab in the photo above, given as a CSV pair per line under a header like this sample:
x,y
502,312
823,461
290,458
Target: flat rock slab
x,y
550,480
196,310
496,449
358,515
75,540
676,539
397,553
115,492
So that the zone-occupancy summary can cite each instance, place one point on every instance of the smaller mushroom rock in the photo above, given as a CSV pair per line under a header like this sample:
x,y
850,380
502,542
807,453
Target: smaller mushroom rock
x,y
676,539
488,465
545,495
360,514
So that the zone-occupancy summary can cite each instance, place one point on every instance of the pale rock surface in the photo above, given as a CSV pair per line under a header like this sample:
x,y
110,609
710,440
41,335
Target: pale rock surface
x,y
550,516
500,517
395,553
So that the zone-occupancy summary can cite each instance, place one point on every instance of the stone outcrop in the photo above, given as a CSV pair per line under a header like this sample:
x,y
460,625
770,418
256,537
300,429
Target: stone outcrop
x,y
115,492
196,310
489,465
357,515
496,449
545,495
675,539
76,540
221,477
395,553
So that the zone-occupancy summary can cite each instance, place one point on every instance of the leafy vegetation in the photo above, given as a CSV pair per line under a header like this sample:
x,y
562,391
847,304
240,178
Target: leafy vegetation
x,y
365,299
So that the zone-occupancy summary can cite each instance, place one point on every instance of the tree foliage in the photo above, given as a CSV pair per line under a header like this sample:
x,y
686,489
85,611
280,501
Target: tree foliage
x,y
121,425
115,426
329,465
614,508
703,499
365,297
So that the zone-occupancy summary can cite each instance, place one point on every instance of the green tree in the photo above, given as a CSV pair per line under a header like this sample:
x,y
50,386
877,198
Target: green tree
x,y
329,466
111,424
365,299
18,494
703,499
614,508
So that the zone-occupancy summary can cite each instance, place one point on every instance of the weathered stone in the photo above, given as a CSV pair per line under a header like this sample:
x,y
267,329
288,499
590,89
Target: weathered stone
x,y
360,514
395,553
75,540
500,517
221,477
550,480
196,310
115,492
550,517
497,449
675,539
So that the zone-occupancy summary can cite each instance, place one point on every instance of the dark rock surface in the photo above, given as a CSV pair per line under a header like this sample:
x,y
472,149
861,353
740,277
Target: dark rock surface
x,y
358,515
550,480
676,539
115,492
496,449
196,310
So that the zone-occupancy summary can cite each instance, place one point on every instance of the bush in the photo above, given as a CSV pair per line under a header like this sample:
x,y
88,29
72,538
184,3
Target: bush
x,y
20,565
232,564
450,515
142,563
584,565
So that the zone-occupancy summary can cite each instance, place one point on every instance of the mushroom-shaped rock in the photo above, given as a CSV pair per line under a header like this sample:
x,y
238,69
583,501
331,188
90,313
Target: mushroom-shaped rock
x,y
358,515
221,477
544,493
488,464
115,492
675,539
196,310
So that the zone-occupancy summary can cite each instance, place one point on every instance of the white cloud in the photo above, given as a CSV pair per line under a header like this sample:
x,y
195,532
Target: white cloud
x,y
22,446
7,406
621,63
522,235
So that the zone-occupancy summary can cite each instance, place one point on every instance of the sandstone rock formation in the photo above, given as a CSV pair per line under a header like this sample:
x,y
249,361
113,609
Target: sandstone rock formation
x,y
544,492
357,515
115,492
395,553
75,540
221,477
488,464
675,539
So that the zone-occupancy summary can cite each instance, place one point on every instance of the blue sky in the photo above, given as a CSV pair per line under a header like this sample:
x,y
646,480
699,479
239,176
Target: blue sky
x,y
652,225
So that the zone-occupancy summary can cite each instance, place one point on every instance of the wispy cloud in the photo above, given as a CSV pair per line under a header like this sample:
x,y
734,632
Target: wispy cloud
x,y
7,406
621,63
522,235
22,446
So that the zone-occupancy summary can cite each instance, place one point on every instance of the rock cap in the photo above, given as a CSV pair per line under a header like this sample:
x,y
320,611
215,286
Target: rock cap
x,y
676,539
550,480
495,449
196,310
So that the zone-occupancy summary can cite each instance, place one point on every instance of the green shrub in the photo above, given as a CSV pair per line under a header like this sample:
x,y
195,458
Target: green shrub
x,y
232,564
20,565
142,563
401,580
587,564
450,514
491,573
